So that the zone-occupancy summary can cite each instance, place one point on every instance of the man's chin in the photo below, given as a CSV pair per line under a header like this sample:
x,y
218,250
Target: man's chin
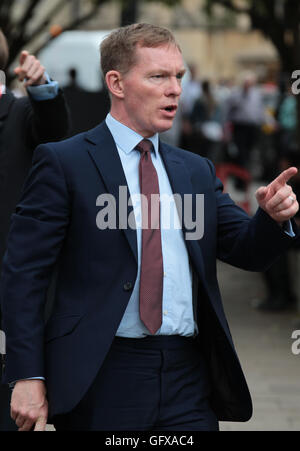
x,y
166,126
162,126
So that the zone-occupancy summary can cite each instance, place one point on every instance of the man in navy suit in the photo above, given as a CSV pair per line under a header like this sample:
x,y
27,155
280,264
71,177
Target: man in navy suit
x,y
39,117
101,363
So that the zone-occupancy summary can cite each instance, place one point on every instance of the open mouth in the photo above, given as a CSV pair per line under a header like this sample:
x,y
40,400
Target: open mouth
x,y
170,108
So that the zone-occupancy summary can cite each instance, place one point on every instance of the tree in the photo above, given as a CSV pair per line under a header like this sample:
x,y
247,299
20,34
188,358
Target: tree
x,y
17,29
279,21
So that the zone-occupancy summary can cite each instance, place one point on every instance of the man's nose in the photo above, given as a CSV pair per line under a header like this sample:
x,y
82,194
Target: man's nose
x,y
174,87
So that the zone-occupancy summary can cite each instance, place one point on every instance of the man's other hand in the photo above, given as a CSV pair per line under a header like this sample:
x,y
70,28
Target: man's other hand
x,y
29,406
30,70
278,199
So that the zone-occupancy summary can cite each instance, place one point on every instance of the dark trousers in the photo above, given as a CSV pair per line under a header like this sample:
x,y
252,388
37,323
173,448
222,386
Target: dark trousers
x,y
6,423
154,383
278,281
245,137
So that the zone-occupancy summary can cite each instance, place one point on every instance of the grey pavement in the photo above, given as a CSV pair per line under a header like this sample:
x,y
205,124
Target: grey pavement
x,y
263,342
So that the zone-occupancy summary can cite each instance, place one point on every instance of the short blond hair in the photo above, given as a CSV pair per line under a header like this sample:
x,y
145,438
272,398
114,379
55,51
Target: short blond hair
x,y
4,52
118,49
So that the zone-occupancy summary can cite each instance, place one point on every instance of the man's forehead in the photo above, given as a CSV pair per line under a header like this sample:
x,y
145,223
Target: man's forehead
x,y
154,56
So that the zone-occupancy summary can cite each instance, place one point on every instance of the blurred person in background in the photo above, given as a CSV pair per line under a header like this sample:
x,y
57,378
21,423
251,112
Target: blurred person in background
x,y
87,108
279,277
267,159
287,122
206,120
192,91
282,127
223,90
25,122
245,111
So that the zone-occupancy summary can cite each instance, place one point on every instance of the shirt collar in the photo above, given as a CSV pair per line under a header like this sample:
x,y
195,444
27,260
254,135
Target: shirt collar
x,y
126,138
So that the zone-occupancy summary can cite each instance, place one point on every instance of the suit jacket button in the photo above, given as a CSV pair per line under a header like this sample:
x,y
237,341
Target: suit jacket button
x,y
127,286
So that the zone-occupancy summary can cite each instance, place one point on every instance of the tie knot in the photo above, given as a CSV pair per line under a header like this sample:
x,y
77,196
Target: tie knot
x,y
144,146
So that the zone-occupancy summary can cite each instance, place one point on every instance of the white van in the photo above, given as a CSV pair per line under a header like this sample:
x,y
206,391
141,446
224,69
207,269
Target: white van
x,y
77,50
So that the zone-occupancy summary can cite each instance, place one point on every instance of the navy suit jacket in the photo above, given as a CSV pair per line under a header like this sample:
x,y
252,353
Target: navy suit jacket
x,y
55,221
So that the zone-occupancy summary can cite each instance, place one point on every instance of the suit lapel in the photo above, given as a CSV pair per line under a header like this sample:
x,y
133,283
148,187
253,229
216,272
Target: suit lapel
x,y
181,184
103,151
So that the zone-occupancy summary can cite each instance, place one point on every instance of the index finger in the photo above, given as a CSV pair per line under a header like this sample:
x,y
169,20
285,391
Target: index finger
x,y
284,177
40,424
23,57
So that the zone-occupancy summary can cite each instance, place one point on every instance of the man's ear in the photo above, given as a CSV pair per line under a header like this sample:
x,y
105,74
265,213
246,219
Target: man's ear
x,y
114,83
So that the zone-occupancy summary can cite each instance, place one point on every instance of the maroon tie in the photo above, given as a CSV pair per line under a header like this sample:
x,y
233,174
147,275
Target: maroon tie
x,y
151,283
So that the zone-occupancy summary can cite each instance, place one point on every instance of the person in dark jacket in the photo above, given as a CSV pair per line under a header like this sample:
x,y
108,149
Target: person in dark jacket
x,y
25,122
138,338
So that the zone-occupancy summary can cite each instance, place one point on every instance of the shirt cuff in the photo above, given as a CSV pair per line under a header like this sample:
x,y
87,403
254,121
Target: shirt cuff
x,y
12,384
288,229
47,91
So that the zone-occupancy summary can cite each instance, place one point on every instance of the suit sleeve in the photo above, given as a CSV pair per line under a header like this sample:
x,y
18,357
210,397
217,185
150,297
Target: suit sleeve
x,y
248,243
36,236
49,120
